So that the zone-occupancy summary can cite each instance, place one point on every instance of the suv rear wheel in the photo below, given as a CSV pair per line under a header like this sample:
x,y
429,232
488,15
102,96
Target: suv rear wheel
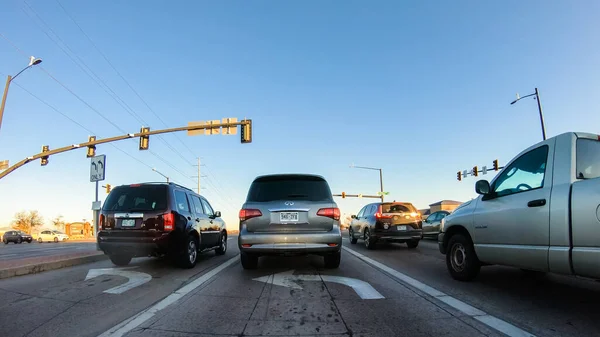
x,y
120,259
190,254
222,245
412,243
332,260
249,261
353,240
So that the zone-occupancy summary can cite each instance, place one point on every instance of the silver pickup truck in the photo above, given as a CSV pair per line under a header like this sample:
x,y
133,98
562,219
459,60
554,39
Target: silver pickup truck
x,y
540,213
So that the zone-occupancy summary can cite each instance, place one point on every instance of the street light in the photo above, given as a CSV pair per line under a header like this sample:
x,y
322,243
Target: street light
x,y
375,169
32,62
155,170
537,97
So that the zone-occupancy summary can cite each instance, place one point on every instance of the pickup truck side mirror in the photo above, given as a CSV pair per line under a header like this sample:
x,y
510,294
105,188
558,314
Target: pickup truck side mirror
x,y
483,187
353,216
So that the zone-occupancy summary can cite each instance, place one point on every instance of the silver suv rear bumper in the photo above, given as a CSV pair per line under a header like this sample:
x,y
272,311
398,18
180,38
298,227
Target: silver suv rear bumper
x,y
290,243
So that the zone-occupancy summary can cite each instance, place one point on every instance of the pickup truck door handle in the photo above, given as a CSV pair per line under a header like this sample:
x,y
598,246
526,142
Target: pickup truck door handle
x,y
536,203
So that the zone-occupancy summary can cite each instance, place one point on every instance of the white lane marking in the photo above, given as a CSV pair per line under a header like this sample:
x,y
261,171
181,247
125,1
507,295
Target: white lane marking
x,y
483,317
136,320
288,279
134,278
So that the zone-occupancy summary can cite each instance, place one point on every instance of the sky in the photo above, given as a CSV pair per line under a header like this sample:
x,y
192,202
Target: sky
x,y
419,89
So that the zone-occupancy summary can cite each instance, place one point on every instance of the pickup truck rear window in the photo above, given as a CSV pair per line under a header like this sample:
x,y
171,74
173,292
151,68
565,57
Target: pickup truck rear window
x,y
588,159
289,187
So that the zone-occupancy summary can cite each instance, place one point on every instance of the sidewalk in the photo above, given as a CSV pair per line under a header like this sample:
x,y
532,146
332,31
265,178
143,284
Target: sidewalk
x,y
38,264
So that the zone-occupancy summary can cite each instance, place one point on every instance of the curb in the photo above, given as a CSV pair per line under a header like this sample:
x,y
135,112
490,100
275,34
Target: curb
x,y
46,266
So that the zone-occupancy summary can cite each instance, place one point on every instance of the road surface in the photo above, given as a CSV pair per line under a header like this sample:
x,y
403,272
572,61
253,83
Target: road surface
x,y
13,251
391,291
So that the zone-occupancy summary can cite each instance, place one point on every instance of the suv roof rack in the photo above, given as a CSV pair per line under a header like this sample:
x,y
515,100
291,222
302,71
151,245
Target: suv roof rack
x,y
160,183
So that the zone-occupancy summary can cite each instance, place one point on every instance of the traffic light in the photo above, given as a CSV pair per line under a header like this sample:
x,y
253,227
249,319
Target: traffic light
x,y
475,173
108,187
343,195
246,134
91,148
44,159
496,168
458,176
144,140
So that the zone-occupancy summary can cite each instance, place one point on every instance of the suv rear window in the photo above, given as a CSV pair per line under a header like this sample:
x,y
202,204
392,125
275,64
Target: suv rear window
x,y
397,208
289,187
137,199
588,159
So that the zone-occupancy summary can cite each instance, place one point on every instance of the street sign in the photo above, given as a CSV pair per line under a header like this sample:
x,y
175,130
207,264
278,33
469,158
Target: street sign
x,y
465,173
3,164
383,193
97,168
287,279
484,170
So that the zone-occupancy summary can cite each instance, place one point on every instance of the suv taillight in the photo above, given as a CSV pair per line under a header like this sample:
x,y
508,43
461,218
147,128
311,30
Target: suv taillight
x,y
169,222
246,214
101,222
333,213
379,214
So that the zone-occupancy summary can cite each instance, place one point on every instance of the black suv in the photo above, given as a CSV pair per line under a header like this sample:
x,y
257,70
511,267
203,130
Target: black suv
x,y
16,237
387,221
157,219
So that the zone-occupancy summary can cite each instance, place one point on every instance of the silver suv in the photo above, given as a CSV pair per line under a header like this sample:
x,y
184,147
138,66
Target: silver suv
x,y
289,214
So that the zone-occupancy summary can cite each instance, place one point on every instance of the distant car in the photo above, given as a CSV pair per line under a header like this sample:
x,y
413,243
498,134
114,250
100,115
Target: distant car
x,y
156,219
289,214
16,237
52,236
431,225
387,221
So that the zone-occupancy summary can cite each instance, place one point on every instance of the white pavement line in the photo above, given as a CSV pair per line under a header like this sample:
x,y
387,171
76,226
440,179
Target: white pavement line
x,y
135,321
481,316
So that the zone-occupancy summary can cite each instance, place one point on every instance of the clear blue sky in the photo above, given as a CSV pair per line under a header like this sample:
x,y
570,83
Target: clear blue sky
x,y
421,89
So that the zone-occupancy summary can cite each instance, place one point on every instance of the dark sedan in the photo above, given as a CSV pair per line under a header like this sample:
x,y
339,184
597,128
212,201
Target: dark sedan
x,y
16,237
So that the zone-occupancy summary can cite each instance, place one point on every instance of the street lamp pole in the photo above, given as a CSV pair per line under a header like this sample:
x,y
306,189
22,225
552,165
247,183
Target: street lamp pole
x,y
375,169
539,103
155,170
32,62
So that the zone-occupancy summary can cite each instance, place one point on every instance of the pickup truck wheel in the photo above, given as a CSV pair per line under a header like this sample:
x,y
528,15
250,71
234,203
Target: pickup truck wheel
x,y
120,259
332,261
461,260
249,261
369,241
353,240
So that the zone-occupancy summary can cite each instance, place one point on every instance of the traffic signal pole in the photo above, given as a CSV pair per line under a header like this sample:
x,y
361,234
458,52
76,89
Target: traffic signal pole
x,y
246,125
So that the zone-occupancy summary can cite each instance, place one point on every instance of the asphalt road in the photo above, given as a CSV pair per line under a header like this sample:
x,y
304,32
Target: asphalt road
x,y
24,250
391,291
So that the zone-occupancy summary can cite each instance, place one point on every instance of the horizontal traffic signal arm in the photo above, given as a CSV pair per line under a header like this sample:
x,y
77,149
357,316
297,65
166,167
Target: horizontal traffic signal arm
x,y
114,139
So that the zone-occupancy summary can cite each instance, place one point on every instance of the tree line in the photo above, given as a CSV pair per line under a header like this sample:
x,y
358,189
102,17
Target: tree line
x,y
30,221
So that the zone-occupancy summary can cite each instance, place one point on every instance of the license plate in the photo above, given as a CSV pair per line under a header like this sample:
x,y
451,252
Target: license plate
x,y
128,223
401,228
288,216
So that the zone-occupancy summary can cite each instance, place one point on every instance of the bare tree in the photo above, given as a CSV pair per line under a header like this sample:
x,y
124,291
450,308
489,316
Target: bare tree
x,y
59,223
26,221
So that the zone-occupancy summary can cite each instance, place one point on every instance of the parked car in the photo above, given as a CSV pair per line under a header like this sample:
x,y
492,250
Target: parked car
x,y
52,236
431,225
16,237
387,221
158,219
540,213
289,214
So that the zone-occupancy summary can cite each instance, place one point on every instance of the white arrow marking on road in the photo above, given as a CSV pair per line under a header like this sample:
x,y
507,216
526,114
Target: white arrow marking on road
x,y
134,278
288,279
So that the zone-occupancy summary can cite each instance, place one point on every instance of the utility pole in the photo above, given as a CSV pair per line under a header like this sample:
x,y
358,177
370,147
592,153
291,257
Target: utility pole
x,y
198,175
539,104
